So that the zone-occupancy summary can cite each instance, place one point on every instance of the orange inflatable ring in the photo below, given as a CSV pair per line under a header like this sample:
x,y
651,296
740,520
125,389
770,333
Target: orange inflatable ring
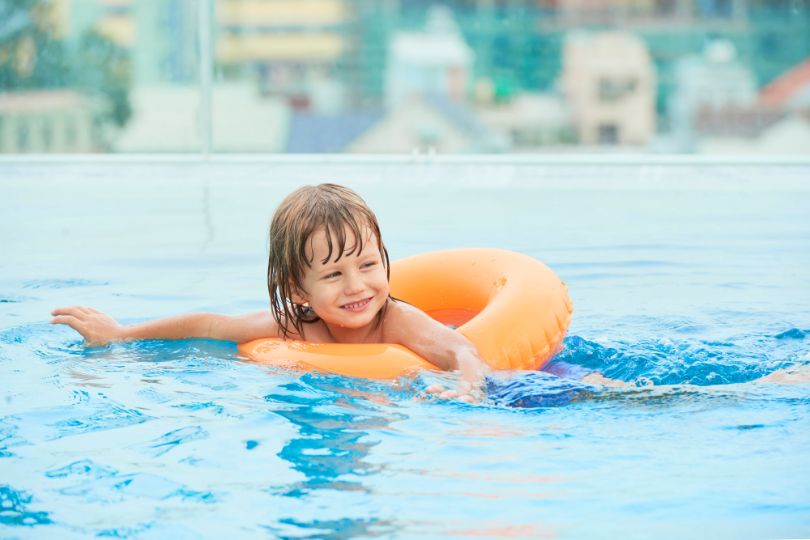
x,y
511,306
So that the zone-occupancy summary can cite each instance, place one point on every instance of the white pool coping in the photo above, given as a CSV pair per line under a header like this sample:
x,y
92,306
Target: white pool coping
x,y
422,159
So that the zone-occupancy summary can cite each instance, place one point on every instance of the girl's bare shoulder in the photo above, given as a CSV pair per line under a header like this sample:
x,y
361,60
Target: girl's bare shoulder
x,y
315,332
402,320
397,310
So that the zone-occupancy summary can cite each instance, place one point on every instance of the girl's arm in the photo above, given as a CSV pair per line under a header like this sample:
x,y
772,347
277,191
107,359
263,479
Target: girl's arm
x,y
446,348
98,328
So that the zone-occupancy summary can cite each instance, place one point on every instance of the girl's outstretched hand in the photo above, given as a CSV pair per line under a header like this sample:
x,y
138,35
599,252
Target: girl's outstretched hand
x,y
472,380
96,328
464,392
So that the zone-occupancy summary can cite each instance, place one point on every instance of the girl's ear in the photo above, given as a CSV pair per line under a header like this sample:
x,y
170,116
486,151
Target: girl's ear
x,y
297,295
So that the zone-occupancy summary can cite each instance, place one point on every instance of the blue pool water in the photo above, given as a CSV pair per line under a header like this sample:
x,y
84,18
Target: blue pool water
x,y
689,282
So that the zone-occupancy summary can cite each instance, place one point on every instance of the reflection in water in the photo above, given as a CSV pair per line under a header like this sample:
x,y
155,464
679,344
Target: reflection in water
x,y
331,528
330,450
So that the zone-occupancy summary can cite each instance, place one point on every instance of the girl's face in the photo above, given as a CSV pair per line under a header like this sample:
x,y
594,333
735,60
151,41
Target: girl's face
x,y
346,291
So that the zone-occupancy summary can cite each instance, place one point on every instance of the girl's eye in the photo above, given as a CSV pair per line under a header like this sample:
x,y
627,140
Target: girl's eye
x,y
332,275
369,264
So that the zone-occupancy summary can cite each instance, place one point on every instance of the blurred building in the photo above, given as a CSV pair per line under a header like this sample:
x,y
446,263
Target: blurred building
x,y
786,103
789,135
713,102
717,106
313,133
769,36
638,15
609,82
161,35
790,91
531,122
48,121
330,61
511,53
242,121
435,61
427,124
288,47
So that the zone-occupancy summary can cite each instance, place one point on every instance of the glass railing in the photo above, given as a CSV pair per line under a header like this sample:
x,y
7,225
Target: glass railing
x,y
550,77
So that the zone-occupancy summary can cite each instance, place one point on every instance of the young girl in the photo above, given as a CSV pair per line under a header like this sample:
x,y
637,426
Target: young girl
x,y
327,275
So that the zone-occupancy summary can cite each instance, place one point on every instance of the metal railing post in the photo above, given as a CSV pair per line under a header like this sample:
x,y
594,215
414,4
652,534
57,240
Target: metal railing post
x,y
206,69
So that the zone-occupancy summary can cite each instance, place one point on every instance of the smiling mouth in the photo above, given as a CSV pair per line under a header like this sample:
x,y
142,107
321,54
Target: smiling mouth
x,y
357,306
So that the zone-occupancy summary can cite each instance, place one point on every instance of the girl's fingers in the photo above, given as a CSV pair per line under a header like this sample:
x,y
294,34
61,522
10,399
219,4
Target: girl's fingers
x,y
465,387
463,393
68,310
435,389
69,320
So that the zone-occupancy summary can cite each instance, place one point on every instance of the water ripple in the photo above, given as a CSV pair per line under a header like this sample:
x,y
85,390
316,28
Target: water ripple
x,y
793,333
83,467
14,299
334,528
98,414
14,509
116,488
9,438
61,283
169,441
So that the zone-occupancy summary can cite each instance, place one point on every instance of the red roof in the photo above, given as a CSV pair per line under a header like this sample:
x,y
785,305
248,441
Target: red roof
x,y
780,90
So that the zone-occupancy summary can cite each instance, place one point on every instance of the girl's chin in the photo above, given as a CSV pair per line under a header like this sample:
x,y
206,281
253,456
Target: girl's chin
x,y
353,321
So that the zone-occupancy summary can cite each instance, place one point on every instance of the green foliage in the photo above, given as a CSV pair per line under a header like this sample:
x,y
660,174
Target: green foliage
x,y
104,68
32,58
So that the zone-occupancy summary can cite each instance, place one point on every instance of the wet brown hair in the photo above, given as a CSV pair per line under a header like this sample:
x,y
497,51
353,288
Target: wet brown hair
x,y
342,214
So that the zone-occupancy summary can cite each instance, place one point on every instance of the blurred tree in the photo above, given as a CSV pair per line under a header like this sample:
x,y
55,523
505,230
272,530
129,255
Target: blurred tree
x,y
104,68
32,57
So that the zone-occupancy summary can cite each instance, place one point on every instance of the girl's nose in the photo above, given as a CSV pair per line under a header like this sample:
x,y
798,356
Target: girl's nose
x,y
354,283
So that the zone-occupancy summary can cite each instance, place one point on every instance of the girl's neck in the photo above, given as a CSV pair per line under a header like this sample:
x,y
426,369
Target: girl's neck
x,y
371,333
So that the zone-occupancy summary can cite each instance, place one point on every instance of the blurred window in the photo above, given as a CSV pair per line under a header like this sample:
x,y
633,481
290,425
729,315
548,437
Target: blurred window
x,y
616,88
608,134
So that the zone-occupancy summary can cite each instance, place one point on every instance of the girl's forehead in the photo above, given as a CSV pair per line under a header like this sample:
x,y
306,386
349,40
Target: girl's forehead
x,y
318,245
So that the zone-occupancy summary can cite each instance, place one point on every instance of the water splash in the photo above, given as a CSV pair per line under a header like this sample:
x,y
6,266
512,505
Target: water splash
x,y
536,389
667,360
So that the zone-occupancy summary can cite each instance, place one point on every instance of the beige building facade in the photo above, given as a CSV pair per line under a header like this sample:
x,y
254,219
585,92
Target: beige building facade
x,y
609,83
256,30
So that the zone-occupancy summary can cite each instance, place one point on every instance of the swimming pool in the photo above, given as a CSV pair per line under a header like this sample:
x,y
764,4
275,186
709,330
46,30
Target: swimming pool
x,y
689,280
